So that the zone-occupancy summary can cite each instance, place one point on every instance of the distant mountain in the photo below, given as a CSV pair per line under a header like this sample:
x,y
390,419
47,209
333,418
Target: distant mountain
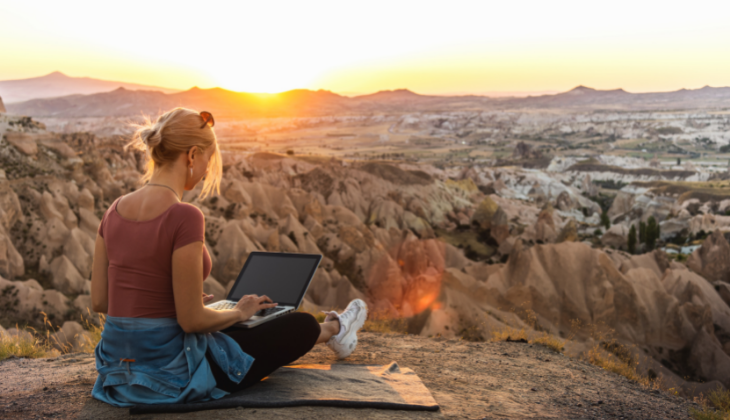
x,y
58,84
227,104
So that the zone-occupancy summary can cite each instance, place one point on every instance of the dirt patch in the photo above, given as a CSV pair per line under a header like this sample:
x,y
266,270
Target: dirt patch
x,y
597,167
469,380
703,191
396,175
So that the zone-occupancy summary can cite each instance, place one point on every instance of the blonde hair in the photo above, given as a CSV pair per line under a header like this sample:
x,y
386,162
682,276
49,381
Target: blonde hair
x,y
173,133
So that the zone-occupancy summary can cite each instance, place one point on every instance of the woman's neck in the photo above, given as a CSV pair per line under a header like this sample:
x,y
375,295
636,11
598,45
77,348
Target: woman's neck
x,y
170,178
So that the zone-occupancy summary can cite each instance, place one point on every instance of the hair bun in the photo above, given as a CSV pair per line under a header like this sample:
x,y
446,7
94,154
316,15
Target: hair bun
x,y
151,137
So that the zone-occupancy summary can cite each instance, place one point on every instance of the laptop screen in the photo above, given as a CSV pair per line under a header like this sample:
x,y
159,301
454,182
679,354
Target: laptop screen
x,y
282,277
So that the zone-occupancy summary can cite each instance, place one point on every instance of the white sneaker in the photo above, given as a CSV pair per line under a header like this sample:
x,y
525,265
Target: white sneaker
x,y
351,320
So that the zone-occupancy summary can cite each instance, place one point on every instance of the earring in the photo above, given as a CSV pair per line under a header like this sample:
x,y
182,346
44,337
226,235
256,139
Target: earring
x,y
191,172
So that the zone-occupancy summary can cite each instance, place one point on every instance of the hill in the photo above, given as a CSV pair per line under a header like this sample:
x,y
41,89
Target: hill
x,y
58,84
125,102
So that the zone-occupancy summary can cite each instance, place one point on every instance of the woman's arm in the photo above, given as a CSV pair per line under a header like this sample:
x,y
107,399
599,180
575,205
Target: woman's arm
x,y
187,286
99,279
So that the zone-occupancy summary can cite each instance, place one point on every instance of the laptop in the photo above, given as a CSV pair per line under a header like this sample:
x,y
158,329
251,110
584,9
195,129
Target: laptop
x,y
284,277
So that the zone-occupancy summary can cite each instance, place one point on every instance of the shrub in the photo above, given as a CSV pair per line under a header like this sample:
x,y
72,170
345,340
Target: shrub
x,y
632,240
720,400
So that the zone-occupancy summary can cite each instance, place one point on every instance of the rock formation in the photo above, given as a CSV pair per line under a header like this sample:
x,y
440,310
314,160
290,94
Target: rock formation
x,y
403,237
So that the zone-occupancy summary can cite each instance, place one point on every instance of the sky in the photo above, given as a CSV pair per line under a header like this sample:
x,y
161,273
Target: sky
x,y
441,48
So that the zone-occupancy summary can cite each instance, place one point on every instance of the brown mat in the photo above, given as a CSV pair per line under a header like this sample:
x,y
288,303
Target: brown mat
x,y
354,386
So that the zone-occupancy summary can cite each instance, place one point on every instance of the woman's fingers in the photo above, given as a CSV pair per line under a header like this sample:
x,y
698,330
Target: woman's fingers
x,y
264,298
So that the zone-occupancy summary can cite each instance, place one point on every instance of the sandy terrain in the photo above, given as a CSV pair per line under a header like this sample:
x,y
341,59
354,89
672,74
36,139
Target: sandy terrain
x,y
469,380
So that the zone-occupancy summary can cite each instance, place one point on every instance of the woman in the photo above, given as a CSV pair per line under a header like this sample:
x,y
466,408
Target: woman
x,y
160,343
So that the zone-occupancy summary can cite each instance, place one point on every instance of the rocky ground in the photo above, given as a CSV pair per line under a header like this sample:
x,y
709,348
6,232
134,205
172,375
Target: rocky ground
x,y
468,380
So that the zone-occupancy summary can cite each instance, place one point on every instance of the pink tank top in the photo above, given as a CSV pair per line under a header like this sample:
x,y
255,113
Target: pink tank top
x,y
140,258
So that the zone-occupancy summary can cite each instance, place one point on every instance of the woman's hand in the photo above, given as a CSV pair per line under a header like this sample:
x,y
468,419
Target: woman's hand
x,y
250,304
207,298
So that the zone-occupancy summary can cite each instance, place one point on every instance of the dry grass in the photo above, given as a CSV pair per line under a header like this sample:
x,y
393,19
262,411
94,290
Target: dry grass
x,y
623,366
21,345
380,323
550,341
33,344
715,407
541,339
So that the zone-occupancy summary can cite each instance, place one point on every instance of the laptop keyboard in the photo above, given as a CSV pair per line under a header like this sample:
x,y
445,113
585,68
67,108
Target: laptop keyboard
x,y
230,305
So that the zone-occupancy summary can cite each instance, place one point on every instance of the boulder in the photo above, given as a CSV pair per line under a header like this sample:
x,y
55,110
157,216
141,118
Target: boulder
x,y
88,223
66,277
569,233
26,143
11,262
616,236
212,287
26,299
708,360
86,200
79,249
235,193
299,235
71,338
723,289
233,247
712,260
484,213
10,210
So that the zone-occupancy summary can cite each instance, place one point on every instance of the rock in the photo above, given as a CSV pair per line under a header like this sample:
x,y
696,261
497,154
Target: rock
x,y
723,289
10,210
545,225
616,236
66,277
23,335
212,287
71,338
294,230
232,248
89,223
708,360
484,213
86,200
26,143
11,262
569,233
712,260
83,304
27,299
79,249
499,229
235,193
564,202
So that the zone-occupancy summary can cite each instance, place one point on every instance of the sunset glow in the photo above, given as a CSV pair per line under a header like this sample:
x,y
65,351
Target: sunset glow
x,y
432,48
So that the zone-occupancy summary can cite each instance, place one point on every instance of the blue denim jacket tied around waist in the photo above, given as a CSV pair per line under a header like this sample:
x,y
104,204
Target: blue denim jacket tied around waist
x,y
153,361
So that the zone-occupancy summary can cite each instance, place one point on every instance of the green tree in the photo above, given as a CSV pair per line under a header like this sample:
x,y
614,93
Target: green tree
x,y
652,231
605,221
632,239
642,232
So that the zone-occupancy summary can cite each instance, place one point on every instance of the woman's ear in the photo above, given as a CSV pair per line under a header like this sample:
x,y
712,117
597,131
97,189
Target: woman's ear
x,y
191,155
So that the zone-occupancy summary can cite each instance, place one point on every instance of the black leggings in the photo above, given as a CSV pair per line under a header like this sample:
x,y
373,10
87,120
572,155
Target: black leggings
x,y
273,344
